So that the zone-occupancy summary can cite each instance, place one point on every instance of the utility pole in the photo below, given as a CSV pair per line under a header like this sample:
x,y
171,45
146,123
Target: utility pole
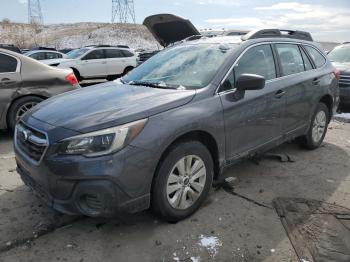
x,y
35,15
123,11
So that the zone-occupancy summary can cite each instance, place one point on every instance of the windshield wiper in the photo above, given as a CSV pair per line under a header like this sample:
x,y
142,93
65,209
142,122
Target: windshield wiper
x,y
151,84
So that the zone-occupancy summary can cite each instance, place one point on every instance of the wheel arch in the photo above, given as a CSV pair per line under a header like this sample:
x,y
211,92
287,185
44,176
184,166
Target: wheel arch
x,y
76,73
328,101
205,138
16,99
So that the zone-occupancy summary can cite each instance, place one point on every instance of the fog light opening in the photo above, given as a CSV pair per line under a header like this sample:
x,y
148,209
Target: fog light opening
x,y
91,204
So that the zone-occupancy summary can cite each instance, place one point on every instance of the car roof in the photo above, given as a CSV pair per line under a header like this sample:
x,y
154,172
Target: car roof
x,y
9,52
42,51
223,39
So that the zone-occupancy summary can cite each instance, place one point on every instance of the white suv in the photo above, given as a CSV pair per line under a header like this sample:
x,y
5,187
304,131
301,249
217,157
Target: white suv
x,y
99,61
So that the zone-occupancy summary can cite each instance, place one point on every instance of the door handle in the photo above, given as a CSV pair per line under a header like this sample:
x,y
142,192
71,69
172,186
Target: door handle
x,y
5,79
316,81
279,93
103,63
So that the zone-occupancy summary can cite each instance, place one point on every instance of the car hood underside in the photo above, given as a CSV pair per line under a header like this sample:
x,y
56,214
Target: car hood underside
x,y
107,105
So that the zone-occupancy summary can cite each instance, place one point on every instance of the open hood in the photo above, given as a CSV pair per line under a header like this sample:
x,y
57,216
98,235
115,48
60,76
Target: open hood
x,y
168,28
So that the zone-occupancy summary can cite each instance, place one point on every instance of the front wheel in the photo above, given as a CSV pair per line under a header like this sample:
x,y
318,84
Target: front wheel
x,y
183,181
318,129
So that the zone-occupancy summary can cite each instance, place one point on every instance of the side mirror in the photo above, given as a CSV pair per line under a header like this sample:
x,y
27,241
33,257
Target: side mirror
x,y
250,82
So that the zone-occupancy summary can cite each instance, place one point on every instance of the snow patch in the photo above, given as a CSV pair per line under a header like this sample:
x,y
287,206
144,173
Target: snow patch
x,y
343,115
211,243
195,259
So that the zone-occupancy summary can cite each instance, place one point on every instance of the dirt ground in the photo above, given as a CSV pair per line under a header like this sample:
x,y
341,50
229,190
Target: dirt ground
x,y
229,227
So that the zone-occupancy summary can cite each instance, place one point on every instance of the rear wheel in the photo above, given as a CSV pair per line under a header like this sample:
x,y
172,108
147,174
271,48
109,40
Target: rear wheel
x,y
183,181
20,107
127,70
318,129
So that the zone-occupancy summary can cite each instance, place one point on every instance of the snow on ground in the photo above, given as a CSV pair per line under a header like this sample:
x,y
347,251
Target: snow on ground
x,y
343,117
77,35
211,243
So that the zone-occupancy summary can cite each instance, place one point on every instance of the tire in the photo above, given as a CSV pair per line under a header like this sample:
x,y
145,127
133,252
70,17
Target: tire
x,y
127,70
18,108
163,202
111,77
319,122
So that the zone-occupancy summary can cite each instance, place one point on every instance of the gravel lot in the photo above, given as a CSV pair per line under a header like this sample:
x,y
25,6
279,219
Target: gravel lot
x,y
230,227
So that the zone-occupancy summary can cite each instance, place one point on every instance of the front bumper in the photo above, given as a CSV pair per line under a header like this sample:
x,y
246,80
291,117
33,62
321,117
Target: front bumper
x,y
96,187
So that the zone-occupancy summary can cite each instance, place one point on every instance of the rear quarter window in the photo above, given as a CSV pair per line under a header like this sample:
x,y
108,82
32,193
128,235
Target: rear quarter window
x,y
127,53
316,56
8,64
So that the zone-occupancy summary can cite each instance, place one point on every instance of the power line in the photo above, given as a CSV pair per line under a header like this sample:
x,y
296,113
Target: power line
x,y
123,11
35,15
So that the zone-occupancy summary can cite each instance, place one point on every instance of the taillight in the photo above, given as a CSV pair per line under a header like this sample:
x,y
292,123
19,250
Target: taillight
x,y
72,79
337,74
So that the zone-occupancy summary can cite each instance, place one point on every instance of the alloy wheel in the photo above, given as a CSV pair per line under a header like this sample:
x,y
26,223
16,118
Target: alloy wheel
x,y
186,182
24,108
319,126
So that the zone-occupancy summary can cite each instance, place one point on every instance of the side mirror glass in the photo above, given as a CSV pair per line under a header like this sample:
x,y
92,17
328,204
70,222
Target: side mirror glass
x,y
250,82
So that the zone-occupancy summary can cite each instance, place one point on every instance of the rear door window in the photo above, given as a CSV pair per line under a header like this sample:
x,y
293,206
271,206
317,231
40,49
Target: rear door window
x,y
51,55
306,60
290,58
257,60
318,58
95,54
114,53
38,56
8,64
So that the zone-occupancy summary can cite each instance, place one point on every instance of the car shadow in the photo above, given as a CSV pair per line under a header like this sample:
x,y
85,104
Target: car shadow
x,y
6,142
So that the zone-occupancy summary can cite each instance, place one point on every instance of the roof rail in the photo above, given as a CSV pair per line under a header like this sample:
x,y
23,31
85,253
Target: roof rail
x,y
121,46
271,33
345,43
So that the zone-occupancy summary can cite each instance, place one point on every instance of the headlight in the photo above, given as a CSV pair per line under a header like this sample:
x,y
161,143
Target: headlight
x,y
101,142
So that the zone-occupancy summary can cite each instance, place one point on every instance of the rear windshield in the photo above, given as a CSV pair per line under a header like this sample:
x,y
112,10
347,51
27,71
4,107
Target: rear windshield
x,y
189,66
340,54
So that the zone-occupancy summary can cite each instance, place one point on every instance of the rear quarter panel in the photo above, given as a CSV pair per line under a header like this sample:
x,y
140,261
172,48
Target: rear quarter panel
x,y
37,80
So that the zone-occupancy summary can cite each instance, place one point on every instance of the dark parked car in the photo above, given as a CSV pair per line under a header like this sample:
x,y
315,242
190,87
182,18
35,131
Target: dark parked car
x,y
43,48
66,50
12,48
24,82
340,57
160,136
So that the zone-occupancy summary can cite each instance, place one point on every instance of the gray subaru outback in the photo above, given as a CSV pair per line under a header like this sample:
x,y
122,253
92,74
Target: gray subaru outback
x,y
159,136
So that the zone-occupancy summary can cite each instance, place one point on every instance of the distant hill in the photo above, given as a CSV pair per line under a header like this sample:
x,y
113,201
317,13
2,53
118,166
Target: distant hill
x,y
76,35
328,46
81,34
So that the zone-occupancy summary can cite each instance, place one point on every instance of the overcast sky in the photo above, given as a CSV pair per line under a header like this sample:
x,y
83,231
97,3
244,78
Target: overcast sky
x,y
326,20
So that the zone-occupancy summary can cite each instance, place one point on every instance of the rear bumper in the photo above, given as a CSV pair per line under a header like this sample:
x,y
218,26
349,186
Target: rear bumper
x,y
344,95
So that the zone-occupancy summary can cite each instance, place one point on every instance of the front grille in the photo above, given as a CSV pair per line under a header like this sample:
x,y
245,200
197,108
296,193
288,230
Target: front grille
x,y
344,81
31,142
